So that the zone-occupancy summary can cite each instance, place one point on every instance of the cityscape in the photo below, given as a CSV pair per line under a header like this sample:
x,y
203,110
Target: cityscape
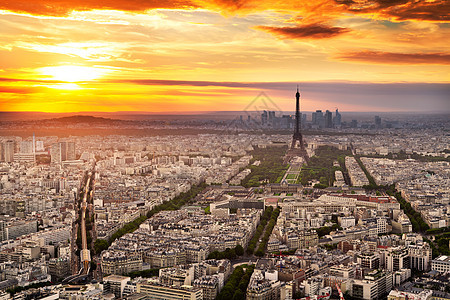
x,y
225,150
273,206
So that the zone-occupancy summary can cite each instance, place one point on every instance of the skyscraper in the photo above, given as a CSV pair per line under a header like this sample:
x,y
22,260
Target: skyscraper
x,y
271,116
9,148
286,121
70,151
26,147
26,152
55,153
62,151
316,117
328,119
264,117
377,122
40,146
337,119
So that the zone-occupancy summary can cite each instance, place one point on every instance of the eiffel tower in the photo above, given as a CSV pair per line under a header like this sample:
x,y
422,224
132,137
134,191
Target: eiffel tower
x,y
298,145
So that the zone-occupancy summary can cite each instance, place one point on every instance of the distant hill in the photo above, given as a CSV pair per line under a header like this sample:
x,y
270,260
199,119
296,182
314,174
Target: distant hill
x,y
81,119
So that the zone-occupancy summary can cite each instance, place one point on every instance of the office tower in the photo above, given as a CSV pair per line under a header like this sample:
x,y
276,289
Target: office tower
x,y
26,147
337,119
62,151
318,119
328,119
354,124
377,122
3,231
26,152
264,117
34,144
39,146
55,153
271,116
8,151
70,151
286,121
314,118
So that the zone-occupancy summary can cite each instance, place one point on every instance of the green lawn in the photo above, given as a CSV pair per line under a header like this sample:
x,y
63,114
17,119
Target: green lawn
x,y
291,176
320,166
271,168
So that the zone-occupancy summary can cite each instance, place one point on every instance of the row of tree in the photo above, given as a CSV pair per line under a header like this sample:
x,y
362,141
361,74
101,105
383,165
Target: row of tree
x,y
438,230
372,183
259,230
19,289
270,225
402,155
144,273
228,253
322,231
417,222
388,188
174,204
434,250
442,242
236,286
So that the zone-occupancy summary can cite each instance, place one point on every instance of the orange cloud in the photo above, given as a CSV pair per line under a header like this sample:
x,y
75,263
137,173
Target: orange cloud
x,y
313,31
438,10
313,11
64,7
18,90
380,57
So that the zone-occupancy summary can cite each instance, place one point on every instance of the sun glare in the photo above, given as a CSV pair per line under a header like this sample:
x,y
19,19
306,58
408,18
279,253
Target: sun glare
x,y
65,86
72,73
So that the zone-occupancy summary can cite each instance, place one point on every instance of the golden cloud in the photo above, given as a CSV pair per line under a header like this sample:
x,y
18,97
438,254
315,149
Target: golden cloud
x,y
380,57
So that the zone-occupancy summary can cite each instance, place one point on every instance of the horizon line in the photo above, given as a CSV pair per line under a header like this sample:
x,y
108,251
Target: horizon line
x,y
135,112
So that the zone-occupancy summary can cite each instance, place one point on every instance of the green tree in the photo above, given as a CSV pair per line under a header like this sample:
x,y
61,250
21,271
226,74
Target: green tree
x,y
259,252
238,295
239,250
100,245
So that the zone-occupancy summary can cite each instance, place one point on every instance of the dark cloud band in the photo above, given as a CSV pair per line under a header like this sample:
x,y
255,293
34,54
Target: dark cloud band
x,y
314,31
380,57
402,10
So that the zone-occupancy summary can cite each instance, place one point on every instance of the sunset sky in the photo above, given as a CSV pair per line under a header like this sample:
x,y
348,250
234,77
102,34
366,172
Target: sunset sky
x,y
208,55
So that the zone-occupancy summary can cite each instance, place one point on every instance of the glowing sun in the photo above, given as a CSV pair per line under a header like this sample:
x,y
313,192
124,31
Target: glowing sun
x,y
73,73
